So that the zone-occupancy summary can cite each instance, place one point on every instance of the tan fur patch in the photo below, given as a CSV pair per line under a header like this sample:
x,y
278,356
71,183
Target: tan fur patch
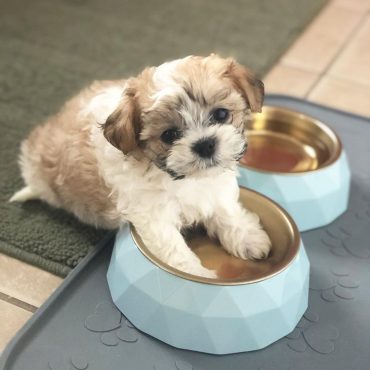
x,y
58,160
249,86
123,126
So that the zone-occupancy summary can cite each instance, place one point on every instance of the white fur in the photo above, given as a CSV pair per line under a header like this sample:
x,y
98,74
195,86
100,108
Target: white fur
x,y
103,104
24,194
163,75
164,82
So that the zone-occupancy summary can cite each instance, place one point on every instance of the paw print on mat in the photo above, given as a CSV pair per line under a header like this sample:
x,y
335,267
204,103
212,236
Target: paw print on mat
x,y
105,318
177,365
334,284
309,333
75,362
114,328
363,214
345,237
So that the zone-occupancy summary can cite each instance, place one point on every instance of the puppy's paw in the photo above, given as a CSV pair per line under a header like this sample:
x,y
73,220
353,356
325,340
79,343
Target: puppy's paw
x,y
256,245
201,271
196,268
204,272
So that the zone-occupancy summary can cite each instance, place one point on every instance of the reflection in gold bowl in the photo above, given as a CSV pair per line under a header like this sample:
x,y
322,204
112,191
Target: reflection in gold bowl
x,y
284,141
231,270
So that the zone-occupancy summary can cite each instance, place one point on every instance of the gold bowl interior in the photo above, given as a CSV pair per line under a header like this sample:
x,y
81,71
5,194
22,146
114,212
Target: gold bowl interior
x,y
284,141
231,270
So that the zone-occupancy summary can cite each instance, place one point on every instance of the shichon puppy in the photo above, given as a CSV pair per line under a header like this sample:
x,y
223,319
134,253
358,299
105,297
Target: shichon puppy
x,y
159,150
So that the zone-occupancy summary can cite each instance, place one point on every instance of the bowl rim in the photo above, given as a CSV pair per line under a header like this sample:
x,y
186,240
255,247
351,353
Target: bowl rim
x,y
292,255
326,128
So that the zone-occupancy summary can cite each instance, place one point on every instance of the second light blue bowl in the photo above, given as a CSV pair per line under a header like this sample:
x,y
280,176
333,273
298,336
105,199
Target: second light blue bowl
x,y
315,190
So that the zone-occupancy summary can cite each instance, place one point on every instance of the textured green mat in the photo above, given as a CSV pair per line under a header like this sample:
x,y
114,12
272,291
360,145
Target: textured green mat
x,y
51,49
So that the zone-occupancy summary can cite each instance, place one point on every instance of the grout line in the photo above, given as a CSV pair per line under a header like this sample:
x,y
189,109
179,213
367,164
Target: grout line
x,y
351,81
313,73
350,37
17,302
297,67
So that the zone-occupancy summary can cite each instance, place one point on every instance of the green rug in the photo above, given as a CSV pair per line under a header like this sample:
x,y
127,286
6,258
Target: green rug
x,y
51,49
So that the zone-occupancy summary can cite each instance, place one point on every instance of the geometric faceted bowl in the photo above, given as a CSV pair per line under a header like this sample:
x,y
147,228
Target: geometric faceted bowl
x,y
249,306
299,163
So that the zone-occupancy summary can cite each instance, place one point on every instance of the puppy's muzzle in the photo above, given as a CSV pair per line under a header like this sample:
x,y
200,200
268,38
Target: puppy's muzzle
x,y
205,147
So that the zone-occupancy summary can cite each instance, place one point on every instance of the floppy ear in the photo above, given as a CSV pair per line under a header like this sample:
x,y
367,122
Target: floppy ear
x,y
251,88
122,127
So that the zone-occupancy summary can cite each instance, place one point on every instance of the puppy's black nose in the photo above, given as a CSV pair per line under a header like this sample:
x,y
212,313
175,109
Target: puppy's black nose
x,y
205,147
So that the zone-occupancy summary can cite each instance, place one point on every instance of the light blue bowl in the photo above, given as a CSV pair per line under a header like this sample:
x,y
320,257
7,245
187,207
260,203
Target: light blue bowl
x,y
313,197
210,316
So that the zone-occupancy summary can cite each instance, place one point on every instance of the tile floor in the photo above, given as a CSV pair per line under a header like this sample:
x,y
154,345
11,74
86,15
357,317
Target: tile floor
x,y
328,64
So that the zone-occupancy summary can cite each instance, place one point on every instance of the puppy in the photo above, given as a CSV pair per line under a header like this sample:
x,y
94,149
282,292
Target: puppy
x,y
159,150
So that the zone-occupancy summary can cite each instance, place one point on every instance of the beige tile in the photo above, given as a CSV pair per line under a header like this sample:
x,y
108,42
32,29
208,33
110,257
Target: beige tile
x,y
322,40
25,282
288,80
12,318
354,62
356,5
343,95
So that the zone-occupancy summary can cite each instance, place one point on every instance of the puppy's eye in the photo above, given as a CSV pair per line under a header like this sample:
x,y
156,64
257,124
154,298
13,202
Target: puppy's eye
x,y
220,115
169,136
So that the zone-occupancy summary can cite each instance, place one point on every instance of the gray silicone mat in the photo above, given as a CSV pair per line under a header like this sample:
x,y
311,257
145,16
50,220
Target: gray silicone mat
x,y
78,328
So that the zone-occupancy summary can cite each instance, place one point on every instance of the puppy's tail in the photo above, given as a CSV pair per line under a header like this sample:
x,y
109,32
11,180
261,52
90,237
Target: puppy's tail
x,y
24,194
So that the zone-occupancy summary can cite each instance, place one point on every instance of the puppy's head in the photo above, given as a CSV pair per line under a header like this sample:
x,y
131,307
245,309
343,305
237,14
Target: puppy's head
x,y
187,115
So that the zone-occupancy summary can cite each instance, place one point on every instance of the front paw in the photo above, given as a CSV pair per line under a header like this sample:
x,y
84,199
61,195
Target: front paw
x,y
255,244
196,268
202,272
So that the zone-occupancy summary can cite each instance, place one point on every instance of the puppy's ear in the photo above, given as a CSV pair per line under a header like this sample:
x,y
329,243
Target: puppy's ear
x,y
249,86
122,127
